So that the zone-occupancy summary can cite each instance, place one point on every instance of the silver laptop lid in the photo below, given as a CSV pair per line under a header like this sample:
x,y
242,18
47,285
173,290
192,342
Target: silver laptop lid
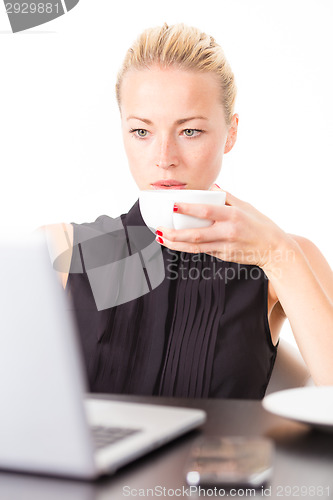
x,y
42,420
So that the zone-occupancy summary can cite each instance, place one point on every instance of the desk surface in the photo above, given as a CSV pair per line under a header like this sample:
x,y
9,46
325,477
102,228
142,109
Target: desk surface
x,y
303,464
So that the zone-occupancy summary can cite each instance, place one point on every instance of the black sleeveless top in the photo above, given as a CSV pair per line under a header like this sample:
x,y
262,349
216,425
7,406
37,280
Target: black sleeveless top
x,y
153,321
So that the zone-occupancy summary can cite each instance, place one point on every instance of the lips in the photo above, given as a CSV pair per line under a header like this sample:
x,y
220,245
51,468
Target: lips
x,y
168,184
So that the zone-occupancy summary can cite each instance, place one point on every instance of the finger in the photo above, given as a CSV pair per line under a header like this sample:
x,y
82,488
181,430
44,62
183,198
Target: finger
x,y
196,236
215,187
210,212
232,201
181,246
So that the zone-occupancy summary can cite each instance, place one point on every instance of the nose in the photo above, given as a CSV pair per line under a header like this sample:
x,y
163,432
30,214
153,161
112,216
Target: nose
x,y
166,153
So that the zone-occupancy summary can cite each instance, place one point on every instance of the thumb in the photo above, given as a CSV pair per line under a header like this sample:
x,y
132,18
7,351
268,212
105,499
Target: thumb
x,y
231,200
215,187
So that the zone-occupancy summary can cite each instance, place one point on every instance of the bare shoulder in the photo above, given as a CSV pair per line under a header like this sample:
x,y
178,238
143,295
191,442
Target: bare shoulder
x,y
317,262
60,232
319,265
311,251
60,243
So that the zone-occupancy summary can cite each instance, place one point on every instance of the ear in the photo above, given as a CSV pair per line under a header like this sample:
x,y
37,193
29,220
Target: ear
x,y
232,134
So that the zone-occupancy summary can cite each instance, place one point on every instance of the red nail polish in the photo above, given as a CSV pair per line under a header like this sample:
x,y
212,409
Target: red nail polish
x,y
159,233
160,240
175,208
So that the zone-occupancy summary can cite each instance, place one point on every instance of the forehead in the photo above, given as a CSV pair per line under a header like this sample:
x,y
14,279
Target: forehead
x,y
172,89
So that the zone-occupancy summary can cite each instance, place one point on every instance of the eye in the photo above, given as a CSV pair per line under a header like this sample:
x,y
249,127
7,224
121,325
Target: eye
x,y
191,132
139,132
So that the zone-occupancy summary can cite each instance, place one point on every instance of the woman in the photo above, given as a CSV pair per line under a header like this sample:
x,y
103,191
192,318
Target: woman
x,y
192,337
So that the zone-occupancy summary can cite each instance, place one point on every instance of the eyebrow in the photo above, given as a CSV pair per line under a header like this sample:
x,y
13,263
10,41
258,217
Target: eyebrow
x,y
178,122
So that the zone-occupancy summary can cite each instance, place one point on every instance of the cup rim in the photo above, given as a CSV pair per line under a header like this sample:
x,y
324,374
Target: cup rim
x,y
182,191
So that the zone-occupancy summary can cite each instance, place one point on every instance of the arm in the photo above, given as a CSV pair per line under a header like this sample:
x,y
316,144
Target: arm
x,y
303,283
60,244
303,290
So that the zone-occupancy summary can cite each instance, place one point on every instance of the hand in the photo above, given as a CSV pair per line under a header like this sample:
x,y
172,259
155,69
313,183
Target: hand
x,y
240,233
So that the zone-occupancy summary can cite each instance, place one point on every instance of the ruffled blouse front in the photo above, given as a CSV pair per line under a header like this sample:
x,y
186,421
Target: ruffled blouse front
x,y
153,321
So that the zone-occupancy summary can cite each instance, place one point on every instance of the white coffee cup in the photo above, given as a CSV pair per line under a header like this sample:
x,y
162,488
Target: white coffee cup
x,y
156,207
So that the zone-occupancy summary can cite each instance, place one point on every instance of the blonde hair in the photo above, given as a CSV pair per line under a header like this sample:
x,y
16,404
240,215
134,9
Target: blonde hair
x,y
184,47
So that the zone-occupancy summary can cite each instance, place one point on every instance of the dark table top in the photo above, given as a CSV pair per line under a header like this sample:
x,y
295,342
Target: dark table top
x,y
303,460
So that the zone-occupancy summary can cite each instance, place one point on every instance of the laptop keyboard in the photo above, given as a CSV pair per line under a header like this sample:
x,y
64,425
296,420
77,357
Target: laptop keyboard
x,y
104,436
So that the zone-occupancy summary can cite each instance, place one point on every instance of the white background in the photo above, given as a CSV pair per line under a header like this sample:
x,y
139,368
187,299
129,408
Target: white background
x,y
61,149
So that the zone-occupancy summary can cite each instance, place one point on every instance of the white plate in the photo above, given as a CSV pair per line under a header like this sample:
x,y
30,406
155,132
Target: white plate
x,y
309,405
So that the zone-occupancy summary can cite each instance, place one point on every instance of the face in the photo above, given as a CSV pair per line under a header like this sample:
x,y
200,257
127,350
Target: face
x,y
174,128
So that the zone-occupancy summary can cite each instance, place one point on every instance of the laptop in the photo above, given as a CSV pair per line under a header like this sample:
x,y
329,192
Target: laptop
x,y
48,422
